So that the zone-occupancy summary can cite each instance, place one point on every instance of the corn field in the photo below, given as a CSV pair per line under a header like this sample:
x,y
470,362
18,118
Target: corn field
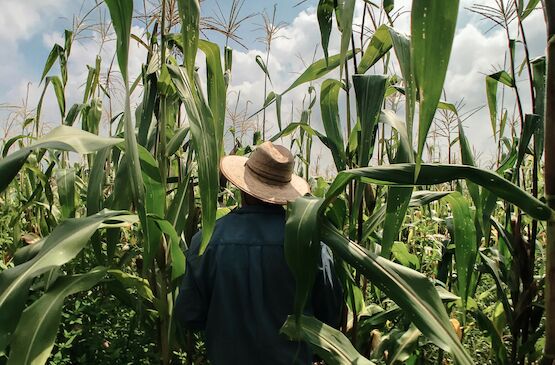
x,y
439,262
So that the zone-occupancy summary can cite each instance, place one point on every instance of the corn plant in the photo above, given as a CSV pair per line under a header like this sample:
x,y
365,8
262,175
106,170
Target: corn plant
x,y
136,200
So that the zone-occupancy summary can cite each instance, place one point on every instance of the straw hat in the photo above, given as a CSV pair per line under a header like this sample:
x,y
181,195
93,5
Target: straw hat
x,y
267,174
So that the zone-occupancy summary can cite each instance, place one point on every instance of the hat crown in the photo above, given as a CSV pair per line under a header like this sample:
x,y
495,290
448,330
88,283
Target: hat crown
x,y
273,164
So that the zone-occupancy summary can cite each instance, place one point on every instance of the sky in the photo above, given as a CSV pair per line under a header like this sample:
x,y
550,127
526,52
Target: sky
x,y
29,29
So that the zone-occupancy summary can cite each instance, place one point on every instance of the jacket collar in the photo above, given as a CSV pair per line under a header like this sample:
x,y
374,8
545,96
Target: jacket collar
x,y
267,208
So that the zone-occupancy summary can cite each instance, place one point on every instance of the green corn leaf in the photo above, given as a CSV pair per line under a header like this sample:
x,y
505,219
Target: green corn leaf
x,y
405,153
478,197
305,128
398,198
504,78
216,88
324,13
95,196
532,123
351,292
60,247
538,76
369,91
317,70
263,67
146,108
95,199
154,203
491,94
301,247
388,5
466,247
59,91
406,345
10,142
379,45
140,285
278,110
402,174
189,12
328,343
92,80
205,145
56,51
423,197
62,138
34,337
176,254
72,114
433,29
401,253
177,141
65,180
121,12
529,9
68,40
418,199
402,47
10,166
492,82
179,208
94,114
313,72
345,11
409,289
39,108
329,94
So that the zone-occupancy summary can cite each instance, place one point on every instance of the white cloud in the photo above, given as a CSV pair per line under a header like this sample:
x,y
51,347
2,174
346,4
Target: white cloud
x,y
83,53
474,55
22,19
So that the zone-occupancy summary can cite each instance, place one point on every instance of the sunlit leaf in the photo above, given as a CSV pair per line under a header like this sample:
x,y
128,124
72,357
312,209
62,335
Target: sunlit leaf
x,y
432,29
203,132
216,89
379,45
62,138
189,12
403,174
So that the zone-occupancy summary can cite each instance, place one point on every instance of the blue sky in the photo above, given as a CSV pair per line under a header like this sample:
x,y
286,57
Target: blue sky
x,y
28,30
56,15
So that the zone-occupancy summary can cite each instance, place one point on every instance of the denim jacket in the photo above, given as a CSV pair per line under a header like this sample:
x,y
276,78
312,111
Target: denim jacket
x,y
241,290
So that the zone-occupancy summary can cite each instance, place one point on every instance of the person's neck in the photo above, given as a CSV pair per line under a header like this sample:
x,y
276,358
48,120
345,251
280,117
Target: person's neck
x,y
249,200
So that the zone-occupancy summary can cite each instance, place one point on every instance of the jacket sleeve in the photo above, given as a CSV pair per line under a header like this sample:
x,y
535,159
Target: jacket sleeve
x,y
327,294
192,303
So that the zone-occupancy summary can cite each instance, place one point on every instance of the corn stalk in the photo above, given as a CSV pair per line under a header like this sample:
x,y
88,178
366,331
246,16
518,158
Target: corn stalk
x,y
549,351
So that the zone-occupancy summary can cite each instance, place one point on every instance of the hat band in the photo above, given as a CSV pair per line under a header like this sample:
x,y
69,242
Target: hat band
x,y
268,177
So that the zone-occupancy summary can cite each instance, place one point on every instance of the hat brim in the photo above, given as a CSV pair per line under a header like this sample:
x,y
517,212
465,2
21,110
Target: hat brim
x,y
234,169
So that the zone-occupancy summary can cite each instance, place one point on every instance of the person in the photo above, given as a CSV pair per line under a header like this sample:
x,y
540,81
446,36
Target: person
x,y
240,290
